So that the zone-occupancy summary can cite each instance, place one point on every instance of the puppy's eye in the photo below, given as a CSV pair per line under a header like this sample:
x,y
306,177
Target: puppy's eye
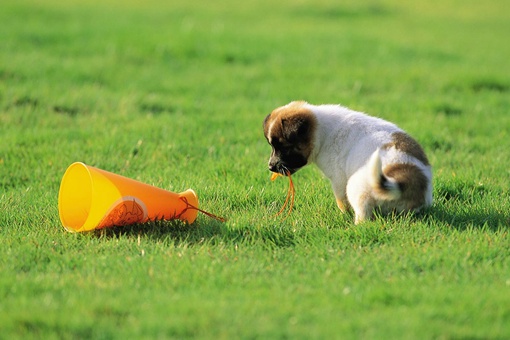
x,y
280,143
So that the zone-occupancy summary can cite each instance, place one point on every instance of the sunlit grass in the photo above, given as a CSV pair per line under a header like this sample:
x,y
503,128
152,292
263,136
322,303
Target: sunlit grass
x,y
174,95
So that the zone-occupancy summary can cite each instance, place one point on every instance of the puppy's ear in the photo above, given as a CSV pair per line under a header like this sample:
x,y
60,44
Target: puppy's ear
x,y
264,125
296,128
265,120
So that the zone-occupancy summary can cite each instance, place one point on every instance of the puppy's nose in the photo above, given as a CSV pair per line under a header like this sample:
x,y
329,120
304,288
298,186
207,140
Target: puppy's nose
x,y
273,166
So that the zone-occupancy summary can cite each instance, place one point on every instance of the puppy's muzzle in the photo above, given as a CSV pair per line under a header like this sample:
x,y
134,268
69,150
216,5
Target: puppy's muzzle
x,y
277,166
274,165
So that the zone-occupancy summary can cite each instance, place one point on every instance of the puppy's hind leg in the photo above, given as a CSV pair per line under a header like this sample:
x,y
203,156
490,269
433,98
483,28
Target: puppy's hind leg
x,y
363,213
363,209
360,197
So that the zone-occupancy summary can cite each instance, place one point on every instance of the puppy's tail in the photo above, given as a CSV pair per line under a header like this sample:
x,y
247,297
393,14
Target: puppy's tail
x,y
383,187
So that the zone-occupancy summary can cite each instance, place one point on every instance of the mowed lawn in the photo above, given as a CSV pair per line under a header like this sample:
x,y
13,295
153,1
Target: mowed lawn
x,y
173,94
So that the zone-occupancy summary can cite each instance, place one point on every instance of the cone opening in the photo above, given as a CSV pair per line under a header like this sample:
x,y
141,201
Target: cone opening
x,y
75,196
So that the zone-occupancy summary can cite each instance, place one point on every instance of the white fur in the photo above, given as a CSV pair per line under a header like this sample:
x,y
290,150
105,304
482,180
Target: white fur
x,y
347,150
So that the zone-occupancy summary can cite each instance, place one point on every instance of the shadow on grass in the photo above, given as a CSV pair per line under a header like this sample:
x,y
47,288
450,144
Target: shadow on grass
x,y
210,231
175,230
462,219
463,204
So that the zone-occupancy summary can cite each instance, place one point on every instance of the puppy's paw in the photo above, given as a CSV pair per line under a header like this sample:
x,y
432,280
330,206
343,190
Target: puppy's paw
x,y
341,205
363,211
358,219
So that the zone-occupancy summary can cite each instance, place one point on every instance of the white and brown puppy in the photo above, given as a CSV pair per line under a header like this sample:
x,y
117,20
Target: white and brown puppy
x,y
371,163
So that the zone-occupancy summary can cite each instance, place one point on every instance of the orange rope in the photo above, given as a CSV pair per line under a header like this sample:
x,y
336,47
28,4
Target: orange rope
x,y
191,206
291,193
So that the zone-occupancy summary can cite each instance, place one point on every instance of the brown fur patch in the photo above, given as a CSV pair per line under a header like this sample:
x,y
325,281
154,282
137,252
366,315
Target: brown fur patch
x,y
292,119
402,141
413,183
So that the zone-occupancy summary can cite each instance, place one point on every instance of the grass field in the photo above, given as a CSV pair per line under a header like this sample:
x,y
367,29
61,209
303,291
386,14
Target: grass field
x,y
174,93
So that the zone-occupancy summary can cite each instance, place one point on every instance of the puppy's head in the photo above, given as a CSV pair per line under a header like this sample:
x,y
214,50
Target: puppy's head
x,y
290,131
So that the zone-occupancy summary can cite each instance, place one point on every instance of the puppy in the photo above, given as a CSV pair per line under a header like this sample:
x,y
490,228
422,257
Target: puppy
x,y
371,163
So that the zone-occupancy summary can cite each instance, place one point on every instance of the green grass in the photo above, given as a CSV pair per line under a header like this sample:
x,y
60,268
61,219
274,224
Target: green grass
x,y
173,94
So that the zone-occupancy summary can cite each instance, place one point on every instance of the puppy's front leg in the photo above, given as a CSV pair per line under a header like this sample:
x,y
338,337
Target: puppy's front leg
x,y
341,197
341,205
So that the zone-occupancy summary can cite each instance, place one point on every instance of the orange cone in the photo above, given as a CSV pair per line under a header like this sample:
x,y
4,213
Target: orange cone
x,y
91,198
